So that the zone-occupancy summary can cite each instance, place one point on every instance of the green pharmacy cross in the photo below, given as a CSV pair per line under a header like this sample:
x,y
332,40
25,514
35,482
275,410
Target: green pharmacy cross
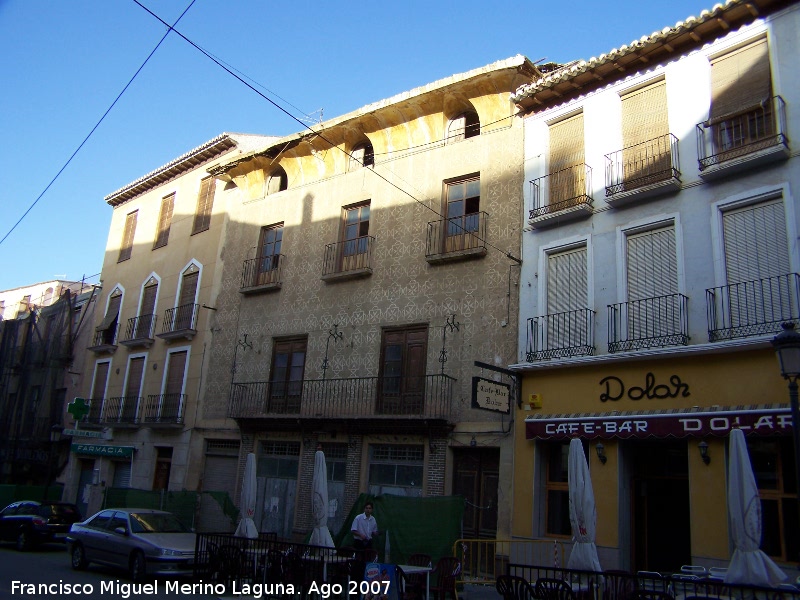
x,y
78,408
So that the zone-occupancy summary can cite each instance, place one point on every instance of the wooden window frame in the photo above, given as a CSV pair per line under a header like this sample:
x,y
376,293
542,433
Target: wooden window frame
x,y
128,233
205,205
164,221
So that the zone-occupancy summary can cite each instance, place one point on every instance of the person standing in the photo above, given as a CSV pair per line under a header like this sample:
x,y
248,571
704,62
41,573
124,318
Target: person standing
x,y
364,528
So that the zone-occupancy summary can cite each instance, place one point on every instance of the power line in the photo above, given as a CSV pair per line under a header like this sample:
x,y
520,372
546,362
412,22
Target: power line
x,y
317,133
86,139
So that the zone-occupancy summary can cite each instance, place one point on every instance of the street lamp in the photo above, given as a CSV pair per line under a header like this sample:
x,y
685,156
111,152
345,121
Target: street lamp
x,y
787,347
55,437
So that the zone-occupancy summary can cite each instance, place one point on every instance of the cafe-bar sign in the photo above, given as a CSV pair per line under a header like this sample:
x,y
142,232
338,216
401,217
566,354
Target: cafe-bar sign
x,y
760,421
491,395
103,450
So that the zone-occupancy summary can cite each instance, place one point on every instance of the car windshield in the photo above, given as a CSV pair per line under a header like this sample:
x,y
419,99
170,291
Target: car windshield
x,y
156,523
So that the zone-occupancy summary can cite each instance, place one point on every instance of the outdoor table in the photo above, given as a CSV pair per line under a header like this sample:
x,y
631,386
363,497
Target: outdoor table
x,y
326,559
412,569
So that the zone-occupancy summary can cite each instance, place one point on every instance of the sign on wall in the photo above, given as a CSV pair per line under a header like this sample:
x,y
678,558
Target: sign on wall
x,y
103,450
491,395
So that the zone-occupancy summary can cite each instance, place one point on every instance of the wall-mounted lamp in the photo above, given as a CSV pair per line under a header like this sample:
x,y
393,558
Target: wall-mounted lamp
x,y
703,447
473,442
601,452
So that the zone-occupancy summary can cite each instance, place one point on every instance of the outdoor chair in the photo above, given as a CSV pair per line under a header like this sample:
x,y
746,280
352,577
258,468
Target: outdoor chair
x,y
417,580
293,572
682,585
232,565
651,581
717,573
618,584
447,570
553,589
405,589
513,587
698,570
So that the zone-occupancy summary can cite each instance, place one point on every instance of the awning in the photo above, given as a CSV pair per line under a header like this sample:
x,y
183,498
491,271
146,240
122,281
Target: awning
x,y
765,419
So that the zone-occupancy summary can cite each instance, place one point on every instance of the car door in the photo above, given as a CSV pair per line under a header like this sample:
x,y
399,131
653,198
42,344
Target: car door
x,y
7,521
118,544
95,537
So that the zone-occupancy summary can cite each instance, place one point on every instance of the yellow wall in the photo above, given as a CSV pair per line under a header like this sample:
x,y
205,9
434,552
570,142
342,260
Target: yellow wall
x,y
748,377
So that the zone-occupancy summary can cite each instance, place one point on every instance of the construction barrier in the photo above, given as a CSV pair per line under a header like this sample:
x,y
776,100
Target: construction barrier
x,y
482,560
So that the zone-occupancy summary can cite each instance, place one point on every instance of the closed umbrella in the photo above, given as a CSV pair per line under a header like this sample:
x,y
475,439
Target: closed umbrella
x,y
320,536
247,501
582,511
749,565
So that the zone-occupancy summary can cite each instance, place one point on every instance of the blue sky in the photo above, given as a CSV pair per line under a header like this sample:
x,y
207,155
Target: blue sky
x,y
64,62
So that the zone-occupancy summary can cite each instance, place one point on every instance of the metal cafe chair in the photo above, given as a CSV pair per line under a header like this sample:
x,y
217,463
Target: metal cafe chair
x,y
548,588
513,587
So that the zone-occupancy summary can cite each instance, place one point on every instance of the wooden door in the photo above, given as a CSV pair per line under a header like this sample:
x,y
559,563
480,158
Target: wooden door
x,y
403,363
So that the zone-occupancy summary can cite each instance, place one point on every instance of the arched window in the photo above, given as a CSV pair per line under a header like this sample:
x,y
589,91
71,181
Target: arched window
x,y
362,155
465,125
277,181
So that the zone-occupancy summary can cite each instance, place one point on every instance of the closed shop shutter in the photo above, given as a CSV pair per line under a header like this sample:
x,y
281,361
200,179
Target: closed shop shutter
x,y
122,475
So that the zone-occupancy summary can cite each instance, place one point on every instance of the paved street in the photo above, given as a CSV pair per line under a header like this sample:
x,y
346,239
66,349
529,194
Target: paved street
x,y
50,564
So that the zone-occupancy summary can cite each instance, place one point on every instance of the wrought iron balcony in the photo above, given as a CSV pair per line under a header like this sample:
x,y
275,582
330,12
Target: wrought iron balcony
x,y
752,136
122,410
751,308
95,414
561,335
642,170
648,323
164,409
105,340
262,274
562,196
415,398
140,331
180,321
456,238
348,259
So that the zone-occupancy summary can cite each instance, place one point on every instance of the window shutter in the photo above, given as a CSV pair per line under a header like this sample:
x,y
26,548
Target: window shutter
x,y
164,221
188,288
566,143
755,242
149,300
567,285
175,370
205,202
644,114
122,474
100,378
740,79
111,314
135,371
652,264
127,236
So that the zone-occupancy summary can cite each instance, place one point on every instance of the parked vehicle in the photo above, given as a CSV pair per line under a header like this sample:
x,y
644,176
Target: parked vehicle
x,y
28,523
142,541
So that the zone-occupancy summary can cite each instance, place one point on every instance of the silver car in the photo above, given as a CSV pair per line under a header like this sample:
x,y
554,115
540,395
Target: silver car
x,y
142,541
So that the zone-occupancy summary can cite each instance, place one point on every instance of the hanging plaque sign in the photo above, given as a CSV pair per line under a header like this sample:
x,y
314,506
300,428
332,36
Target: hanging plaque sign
x,y
491,395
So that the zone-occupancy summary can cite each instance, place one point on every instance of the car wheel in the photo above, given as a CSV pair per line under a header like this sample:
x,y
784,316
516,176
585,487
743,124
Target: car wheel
x,y
138,566
79,562
23,541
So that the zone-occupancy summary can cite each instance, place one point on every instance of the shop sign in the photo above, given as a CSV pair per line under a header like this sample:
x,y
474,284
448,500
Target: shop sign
x,y
613,389
87,433
103,450
755,421
491,395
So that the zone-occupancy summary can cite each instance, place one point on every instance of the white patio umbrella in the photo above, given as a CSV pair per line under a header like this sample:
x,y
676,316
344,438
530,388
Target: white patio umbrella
x,y
320,536
247,501
749,565
582,511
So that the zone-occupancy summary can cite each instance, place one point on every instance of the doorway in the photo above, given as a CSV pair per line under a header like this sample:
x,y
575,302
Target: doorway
x,y
660,530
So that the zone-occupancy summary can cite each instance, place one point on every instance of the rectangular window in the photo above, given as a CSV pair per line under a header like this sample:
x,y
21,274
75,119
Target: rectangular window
x,y
146,320
205,202
286,380
396,469
176,368
355,241
773,467
269,254
127,236
567,173
462,207
647,153
757,267
567,299
107,330
403,366
133,387
164,221
556,456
